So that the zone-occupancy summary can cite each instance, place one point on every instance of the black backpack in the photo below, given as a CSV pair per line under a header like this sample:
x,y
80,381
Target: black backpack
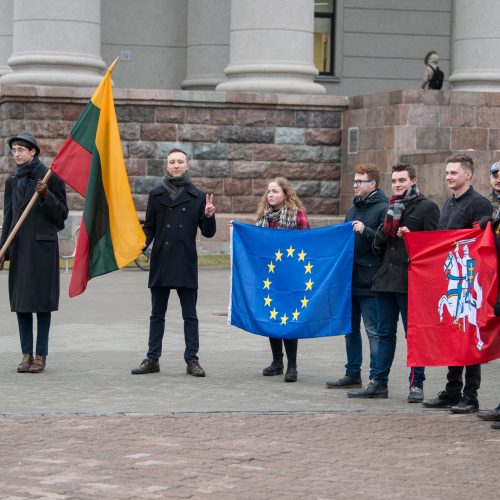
x,y
436,82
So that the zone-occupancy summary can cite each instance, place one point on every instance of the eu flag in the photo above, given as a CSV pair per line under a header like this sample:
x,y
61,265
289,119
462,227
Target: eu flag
x,y
290,283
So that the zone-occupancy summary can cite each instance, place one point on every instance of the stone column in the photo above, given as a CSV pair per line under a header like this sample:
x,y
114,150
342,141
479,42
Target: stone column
x,y
6,8
207,48
271,47
476,46
56,42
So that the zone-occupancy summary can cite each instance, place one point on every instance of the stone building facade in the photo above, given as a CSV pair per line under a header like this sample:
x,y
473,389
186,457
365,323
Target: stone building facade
x,y
235,141
254,105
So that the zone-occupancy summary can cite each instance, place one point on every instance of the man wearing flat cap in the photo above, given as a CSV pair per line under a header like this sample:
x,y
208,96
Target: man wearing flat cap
x,y
494,196
34,251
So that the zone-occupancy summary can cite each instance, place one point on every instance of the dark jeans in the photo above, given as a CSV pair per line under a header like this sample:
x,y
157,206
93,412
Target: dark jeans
x,y
389,305
290,348
159,302
363,306
25,322
472,382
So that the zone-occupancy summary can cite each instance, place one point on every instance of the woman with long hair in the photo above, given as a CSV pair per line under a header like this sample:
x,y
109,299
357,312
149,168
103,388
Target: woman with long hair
x,y
281,208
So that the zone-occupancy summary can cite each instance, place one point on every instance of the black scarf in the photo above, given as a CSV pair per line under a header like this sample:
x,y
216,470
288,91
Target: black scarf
x,y
26,173
175,185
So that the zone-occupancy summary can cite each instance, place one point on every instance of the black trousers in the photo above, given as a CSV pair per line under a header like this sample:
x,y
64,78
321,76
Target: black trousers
x,y
159,303
290,348
472,381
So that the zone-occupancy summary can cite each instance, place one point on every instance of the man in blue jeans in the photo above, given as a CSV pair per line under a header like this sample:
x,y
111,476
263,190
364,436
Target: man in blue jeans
x,y
408,210
366,214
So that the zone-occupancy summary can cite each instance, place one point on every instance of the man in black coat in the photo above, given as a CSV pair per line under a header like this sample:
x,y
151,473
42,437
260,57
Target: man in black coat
x,y
463,210
366,215
408,210
175,211
34,252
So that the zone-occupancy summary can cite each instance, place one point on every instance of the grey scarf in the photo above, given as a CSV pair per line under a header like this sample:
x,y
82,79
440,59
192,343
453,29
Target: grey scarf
x,y
175,185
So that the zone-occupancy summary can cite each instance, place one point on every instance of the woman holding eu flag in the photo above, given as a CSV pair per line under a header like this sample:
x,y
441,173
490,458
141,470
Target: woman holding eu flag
x,y
281,208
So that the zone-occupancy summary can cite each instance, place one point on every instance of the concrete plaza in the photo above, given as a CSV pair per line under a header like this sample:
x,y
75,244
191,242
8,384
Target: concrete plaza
x,y
87,428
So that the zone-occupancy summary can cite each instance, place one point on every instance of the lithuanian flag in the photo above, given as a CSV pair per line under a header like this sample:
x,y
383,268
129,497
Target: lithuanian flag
x,y
91,162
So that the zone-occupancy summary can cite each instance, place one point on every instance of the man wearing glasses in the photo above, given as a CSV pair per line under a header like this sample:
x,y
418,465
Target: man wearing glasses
x,y
366,214
408,210
494,196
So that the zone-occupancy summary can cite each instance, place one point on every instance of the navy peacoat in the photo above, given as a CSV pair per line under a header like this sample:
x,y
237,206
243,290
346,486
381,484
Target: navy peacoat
x,y
173,225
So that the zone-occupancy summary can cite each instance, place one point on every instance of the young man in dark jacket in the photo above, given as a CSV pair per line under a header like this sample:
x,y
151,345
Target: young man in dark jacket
x,y
175,211
463,210
34,252
408,210
366,214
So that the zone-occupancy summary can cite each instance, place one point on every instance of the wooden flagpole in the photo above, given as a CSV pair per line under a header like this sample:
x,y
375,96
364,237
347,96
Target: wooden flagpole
x,y
25,213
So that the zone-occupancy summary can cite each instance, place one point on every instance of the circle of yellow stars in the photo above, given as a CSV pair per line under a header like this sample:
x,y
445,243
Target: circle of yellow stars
x,y
279,256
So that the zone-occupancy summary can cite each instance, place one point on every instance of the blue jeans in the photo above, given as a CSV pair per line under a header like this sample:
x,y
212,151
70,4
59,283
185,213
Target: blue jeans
x,y
25,323
389,305
363,306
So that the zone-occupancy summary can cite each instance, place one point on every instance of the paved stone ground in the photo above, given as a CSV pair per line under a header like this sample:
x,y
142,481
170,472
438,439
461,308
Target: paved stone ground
x,y
88,429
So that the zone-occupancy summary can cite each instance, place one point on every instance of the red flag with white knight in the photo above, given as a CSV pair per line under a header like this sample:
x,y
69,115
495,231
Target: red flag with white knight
x,y
452,289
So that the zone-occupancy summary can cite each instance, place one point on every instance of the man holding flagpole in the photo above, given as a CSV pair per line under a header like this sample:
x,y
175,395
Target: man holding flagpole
x,y
463,210
175,211
34,251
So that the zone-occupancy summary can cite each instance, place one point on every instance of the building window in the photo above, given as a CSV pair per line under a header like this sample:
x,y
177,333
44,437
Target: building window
x,y
324,33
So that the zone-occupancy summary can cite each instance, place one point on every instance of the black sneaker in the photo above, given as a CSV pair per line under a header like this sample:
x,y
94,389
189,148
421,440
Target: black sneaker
x,y
443,400
346,382
147,366
465,406
374,389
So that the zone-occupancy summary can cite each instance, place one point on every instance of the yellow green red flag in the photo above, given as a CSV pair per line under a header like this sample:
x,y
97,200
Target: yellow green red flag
x,y
91,161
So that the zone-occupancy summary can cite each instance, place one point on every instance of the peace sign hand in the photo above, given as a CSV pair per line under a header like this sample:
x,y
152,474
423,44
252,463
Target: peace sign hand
x,y
209,205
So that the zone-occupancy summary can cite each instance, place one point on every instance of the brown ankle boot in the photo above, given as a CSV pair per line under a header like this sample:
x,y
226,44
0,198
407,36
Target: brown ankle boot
x,y
38,364
25,364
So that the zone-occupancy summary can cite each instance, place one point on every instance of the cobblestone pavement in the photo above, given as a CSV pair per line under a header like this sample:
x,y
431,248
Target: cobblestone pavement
x,y
88,429
376,456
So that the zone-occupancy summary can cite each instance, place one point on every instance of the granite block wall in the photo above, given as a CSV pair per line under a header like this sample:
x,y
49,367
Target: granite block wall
x,y
236,142
422,128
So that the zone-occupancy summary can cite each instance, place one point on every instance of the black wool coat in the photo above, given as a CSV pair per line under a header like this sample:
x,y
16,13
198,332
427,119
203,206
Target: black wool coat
x,y
371,212
34,253
173,225
420,214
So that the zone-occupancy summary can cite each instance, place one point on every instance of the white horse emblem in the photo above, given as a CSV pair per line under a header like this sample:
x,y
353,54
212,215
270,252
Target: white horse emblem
x,y
459,300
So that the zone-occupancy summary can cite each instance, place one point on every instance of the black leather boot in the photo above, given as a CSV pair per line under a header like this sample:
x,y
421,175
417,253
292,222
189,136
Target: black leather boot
x,y
275,368
291,373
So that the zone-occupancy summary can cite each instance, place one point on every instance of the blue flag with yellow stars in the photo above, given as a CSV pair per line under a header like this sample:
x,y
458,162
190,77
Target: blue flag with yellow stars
x,y
290,283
